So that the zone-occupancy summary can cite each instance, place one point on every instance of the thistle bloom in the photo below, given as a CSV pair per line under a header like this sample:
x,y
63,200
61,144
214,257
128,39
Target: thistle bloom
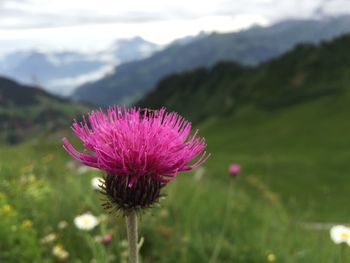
x,y
234,169
106,239
140,150
135,143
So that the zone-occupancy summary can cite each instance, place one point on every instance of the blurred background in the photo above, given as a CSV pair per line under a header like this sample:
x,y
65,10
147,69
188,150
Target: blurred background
x,y
267,83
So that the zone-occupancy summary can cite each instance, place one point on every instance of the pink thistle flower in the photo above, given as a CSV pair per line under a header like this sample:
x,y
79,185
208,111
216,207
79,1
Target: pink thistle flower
x,y
106,239
137,146
234,169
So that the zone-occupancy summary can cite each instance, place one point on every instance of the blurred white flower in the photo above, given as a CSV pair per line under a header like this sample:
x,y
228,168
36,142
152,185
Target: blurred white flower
x,y
124,243
340,234
96,182
48,239
62,225
86,222
60,253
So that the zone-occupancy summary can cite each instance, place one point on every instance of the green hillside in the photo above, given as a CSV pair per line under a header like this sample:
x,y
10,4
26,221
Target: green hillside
x,y
306,73
286,121
253,46
25,111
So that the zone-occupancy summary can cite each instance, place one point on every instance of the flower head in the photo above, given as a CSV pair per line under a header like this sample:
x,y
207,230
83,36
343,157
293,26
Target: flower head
x,y
106,239
135,143
62,225
271,257
234,169
138,149
48,239
86,222
340,234
60,253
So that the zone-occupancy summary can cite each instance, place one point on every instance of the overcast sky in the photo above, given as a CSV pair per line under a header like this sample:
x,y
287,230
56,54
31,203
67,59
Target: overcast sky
x,y
94,24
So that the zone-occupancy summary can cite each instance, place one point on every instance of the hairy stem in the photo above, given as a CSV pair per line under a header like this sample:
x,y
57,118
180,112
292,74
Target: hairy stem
x,y
131,225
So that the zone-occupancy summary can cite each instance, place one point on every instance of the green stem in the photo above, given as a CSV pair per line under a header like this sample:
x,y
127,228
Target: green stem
x,y
131,226
226,219
342,252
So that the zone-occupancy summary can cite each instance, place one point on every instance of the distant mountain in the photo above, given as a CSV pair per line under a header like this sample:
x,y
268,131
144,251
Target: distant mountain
x,y
28,110
61,72
306,73
42,69
136,48
132,80
189,39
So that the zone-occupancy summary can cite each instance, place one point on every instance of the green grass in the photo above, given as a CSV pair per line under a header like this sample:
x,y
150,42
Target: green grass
x,y
214,219
295,173
301,152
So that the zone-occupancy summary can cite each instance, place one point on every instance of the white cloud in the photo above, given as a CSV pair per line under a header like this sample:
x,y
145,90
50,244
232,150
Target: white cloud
x,y
68,85
91,24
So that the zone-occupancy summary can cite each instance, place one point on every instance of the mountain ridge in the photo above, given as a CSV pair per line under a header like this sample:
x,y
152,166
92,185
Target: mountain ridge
x,y
132,80
60,72
27,110
305,73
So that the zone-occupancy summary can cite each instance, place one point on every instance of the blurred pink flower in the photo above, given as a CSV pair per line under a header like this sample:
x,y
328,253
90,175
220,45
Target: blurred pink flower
x,y
106,239
136,143
234,169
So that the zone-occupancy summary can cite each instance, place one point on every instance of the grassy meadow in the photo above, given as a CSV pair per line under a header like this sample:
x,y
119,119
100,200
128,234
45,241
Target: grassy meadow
x,y
279,209
285,122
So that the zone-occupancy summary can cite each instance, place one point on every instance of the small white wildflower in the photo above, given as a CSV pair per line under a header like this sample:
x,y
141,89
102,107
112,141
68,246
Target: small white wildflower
x,y
48,239
340,234
62,225
124,243
86,222
60,253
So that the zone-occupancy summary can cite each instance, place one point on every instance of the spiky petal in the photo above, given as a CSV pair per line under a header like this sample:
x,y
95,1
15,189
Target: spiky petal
x,y
137,143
